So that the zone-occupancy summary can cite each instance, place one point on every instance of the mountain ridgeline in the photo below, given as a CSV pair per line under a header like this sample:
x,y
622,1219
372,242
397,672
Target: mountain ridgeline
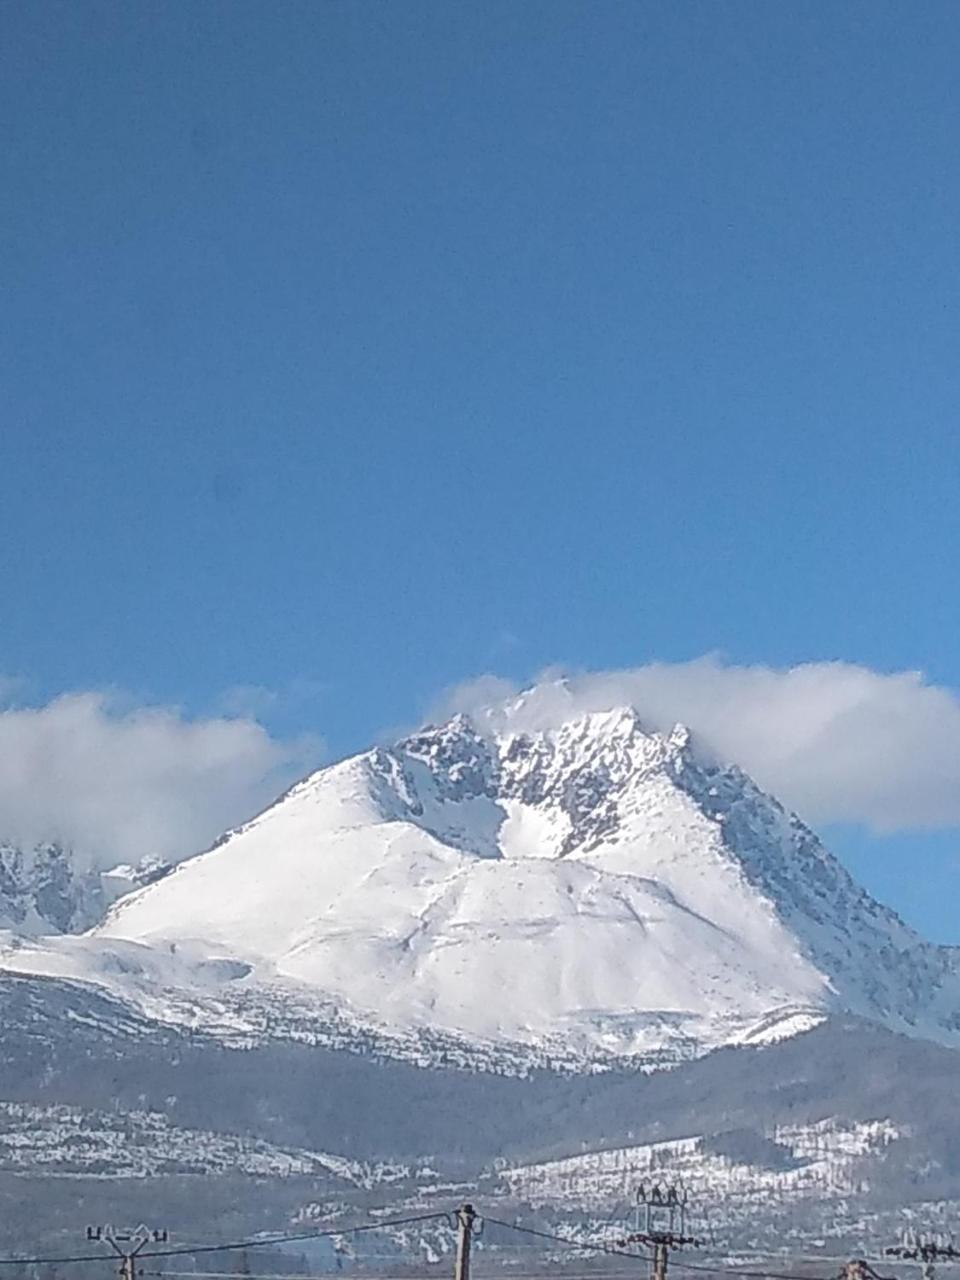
x,y
603,947
595,884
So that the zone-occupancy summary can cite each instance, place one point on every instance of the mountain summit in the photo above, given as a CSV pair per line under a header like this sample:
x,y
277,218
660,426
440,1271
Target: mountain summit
x,y
577,903
593,884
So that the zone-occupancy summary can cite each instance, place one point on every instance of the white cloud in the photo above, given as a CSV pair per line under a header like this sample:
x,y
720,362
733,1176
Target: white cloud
x,y
118,782
835,741
249,700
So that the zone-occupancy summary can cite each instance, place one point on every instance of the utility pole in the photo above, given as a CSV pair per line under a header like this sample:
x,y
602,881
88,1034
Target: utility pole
x,y
661,1224
660,1258
856,1269
859,1269
127,1244
465,1221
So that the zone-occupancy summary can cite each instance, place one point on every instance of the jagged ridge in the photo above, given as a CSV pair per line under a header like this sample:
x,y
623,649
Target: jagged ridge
x,y
593,885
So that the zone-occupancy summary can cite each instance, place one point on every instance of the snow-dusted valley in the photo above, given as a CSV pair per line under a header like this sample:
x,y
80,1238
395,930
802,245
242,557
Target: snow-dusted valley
x,y
544,962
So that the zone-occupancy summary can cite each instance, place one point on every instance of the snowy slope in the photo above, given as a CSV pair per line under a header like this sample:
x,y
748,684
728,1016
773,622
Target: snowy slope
x,y
64,1141
592,883
830,1158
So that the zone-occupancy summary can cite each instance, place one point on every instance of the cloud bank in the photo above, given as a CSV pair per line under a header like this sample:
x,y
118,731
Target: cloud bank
x,y
118,783
834,741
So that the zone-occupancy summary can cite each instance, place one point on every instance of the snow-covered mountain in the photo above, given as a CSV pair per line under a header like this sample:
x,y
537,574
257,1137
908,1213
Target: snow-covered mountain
x,y
494,921
595,886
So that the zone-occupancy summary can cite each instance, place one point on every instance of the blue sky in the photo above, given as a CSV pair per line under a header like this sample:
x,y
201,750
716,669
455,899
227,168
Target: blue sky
x,y
350,350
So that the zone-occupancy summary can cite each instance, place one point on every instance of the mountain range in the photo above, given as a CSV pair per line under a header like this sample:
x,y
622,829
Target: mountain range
x,y
506,920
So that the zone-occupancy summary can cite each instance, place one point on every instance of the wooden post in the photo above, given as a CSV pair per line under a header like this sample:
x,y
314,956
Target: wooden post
x,y
465,1218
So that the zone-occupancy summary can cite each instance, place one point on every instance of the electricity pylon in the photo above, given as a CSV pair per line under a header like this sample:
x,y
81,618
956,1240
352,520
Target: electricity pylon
x,y
923,1249
127,1244
661,1224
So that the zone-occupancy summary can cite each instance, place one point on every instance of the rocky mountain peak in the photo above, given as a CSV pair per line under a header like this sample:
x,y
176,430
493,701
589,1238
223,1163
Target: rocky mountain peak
x,y
590,882
576,772
461,763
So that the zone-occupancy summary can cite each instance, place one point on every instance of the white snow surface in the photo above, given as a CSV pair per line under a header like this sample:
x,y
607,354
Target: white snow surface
x,y
69,1141
598,885
827,1159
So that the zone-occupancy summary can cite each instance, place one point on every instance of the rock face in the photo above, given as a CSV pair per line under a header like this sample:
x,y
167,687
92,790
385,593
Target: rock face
x,y
40,892
43,892
592,884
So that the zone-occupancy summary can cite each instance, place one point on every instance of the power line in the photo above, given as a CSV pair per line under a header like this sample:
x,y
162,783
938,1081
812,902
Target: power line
x,y
259,1243
727,1269
293,1237
595,1246
716,1269
246,1275
564,1240
230,1275
45,1262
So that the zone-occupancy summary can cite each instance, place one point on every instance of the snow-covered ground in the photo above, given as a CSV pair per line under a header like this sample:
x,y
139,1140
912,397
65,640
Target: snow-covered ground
x,y
70,1141
827,1159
